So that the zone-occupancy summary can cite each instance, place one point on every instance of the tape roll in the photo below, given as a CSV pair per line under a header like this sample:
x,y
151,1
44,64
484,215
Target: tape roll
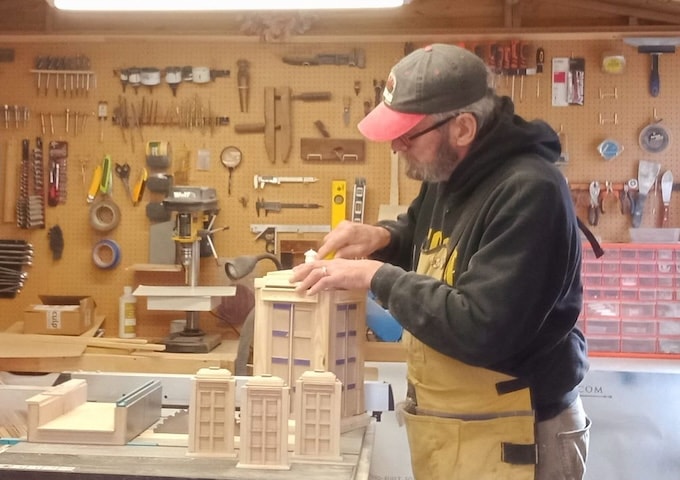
x,y
106,254
150,76
157,148
104,215
200,74
158,154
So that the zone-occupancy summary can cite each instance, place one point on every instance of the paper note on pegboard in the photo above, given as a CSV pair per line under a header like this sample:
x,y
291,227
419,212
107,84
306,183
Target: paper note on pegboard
x,y
560,81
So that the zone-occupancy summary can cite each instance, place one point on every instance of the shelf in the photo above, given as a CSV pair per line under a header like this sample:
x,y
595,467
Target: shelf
x,y
183,298
155,267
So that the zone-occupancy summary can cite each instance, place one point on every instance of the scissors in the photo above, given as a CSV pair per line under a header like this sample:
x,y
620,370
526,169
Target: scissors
x,y
123,172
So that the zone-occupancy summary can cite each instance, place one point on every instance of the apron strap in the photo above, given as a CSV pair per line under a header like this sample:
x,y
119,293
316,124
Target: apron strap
x,y
509,386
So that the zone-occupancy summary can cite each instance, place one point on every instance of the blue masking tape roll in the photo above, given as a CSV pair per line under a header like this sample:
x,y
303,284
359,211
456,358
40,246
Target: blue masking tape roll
x,y
106,254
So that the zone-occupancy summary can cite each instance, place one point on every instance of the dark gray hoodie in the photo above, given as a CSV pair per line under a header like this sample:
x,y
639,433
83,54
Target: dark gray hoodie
x,y
513,302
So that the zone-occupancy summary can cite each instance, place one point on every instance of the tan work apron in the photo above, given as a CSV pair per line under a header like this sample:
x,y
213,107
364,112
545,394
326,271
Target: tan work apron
x,y
460,427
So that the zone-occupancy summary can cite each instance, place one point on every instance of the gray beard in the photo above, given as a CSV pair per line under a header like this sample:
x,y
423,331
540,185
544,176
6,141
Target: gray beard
x,y
439,170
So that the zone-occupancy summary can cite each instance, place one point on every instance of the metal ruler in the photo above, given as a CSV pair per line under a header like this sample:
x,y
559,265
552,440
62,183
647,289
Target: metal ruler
x,y
270,232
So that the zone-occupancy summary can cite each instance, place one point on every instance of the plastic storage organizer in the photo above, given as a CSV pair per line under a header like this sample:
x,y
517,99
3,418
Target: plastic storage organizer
x,y
631,300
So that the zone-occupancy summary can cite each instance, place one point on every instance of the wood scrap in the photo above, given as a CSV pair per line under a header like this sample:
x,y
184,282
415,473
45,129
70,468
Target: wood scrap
x,y
22,345
16,344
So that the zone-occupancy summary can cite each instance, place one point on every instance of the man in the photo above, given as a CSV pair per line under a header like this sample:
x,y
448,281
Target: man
x,y
483,273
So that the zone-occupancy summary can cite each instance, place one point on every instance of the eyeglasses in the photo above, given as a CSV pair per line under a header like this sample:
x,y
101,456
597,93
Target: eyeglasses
x,y
407,139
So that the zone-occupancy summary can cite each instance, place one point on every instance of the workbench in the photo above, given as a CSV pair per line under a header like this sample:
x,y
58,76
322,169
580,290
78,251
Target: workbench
x,y
143,459
34,461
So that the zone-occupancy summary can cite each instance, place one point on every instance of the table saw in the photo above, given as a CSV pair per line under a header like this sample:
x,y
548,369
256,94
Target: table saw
x,y
161,451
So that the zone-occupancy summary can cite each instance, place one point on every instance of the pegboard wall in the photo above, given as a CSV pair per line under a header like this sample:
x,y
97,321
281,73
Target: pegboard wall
x,y
615,106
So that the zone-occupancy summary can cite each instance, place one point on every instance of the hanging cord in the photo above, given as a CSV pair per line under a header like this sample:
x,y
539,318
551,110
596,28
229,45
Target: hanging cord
x,y
594,244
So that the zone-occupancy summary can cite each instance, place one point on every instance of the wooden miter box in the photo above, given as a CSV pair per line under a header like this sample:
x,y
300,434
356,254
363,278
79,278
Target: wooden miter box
x,y
62,414
295,333
60,315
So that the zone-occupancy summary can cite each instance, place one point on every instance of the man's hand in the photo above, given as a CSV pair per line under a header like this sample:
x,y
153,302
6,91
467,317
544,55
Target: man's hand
x,y
353,240
340,274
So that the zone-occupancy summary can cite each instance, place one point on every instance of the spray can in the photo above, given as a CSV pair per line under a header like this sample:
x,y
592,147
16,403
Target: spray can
x,y
127,314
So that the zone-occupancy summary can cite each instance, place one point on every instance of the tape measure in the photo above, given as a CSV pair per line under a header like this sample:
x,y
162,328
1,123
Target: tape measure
x,y
158,154
613,63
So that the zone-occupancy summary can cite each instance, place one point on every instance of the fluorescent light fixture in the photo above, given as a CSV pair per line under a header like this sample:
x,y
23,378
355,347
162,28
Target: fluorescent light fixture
x,y
216,5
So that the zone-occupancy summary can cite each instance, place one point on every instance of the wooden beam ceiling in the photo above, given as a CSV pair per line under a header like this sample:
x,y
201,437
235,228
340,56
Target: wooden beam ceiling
x,y
620,9
418,19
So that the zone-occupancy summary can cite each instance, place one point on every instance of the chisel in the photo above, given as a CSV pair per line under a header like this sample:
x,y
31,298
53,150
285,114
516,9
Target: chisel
x,y
346,103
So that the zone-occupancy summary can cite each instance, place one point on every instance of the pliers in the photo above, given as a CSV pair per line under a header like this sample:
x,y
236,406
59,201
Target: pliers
x,y
627,196
594,208
607,195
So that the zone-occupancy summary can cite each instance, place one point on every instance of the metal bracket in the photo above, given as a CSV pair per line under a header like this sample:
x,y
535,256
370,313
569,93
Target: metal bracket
x,y
332,149
270,232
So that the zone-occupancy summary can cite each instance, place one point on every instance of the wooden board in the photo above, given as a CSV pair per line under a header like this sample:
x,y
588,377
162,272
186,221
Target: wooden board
x,y
14,344
222,356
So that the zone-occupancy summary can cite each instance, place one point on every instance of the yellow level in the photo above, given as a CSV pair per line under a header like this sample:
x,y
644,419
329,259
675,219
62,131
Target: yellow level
x,y
338,202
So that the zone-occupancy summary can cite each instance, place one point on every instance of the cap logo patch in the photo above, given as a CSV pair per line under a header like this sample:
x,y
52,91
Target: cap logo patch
x,y
388,91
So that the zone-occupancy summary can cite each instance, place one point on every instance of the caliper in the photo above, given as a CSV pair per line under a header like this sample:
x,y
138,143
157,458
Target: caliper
x,y
259,181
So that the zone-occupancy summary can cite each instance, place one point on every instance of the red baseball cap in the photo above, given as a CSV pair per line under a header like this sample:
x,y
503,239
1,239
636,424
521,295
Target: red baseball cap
x,y
433,79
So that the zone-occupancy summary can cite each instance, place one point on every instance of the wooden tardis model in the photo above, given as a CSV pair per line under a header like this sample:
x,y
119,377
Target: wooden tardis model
x,y
211,415
297,333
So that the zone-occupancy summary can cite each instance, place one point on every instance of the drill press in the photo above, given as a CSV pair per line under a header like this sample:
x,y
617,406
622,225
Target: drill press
x,y
196,210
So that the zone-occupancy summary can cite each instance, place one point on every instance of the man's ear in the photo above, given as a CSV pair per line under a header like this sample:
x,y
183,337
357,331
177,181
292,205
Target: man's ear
x,y
465,128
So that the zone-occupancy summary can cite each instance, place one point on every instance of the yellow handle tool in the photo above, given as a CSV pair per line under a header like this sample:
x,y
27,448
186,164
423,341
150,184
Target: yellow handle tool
x,y
138,191
94,184
107,176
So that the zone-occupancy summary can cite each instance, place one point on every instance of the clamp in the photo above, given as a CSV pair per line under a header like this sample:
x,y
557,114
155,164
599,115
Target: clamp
x,y
276,127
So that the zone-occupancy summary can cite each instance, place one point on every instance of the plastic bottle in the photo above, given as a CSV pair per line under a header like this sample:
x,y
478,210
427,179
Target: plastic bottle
x,y
127,314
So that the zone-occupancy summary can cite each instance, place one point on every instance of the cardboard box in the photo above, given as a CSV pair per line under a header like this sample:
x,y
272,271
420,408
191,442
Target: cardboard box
x,y
60,315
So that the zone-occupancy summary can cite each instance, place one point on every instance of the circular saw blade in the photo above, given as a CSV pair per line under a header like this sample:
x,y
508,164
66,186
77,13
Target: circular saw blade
x,y
654,138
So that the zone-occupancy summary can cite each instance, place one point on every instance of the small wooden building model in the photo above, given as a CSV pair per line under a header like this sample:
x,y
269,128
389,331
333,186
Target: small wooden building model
x,y
211,416
264,423
296,333
317,417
